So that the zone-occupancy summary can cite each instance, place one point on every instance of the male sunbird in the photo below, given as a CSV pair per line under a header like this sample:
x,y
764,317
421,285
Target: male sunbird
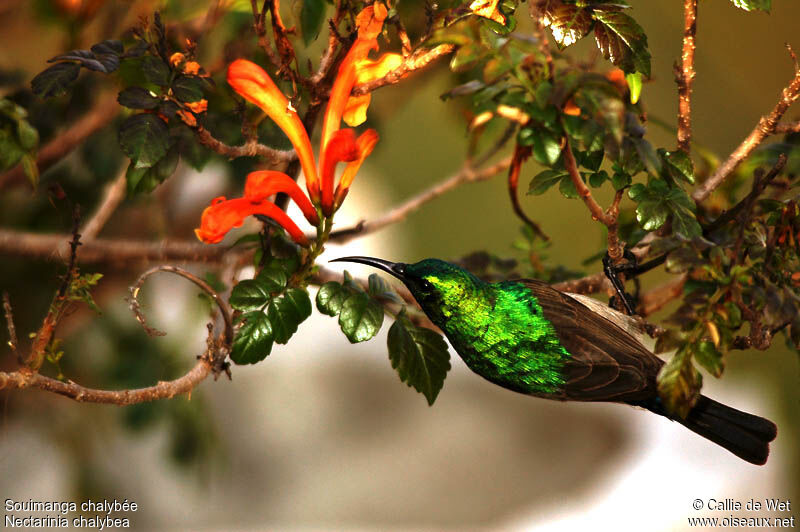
x,y
530,338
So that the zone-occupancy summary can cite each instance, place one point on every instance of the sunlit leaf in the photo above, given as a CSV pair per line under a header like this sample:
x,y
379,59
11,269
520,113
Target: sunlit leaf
x,y
361,317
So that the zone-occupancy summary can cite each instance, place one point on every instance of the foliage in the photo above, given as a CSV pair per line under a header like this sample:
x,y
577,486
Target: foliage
x,y
586,127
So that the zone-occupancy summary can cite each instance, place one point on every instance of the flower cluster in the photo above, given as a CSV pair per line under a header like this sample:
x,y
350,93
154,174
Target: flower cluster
x,y
337,144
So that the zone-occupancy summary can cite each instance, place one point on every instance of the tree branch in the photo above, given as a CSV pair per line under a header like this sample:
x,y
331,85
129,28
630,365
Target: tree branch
x,y
657,298
591,284
467,174
766,126
163,390
416,61
12,330
66,141
791,127
113,195
213,360
249,149
55,247
684,75
521,153
223,306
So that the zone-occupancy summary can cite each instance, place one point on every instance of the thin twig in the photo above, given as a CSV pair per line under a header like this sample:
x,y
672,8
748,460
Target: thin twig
x,y
55,247
12,330
250,149
758,187
521,153
684,75
66,141
223,306
766,126
541,36
591,284
113,195
416,61
791,127
163,390
583,191
467,174
615,246
655,299
55,312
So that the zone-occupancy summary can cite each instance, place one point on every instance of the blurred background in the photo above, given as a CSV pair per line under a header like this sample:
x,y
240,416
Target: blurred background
x,y
322,434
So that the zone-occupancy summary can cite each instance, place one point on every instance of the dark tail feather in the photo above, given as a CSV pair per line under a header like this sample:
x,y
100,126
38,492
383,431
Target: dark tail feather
x,y
745,435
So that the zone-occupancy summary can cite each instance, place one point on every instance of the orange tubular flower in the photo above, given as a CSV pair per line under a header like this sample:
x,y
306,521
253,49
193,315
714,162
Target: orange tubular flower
x,y
225,214
255,85
264,183
338,145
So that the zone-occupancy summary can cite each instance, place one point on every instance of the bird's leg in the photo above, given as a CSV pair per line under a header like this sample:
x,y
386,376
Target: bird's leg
x,y
612,271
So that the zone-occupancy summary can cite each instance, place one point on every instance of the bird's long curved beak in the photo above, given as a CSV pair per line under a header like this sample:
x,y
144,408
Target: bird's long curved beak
x,y
398,269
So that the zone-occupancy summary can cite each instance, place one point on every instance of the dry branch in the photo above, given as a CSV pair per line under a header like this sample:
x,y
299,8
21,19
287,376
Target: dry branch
x,y
163,390
56,247
416,61
684,75
766,126
467,174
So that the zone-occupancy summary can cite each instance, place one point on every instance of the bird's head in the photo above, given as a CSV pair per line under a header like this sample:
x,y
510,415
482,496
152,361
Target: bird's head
x,y
434,283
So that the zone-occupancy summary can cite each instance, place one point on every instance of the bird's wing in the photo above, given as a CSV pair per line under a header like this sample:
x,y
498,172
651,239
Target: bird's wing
x,y
607,363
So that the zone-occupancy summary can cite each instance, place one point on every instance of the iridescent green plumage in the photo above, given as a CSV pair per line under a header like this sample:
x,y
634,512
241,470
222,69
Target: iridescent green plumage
x,y
528,337
499,330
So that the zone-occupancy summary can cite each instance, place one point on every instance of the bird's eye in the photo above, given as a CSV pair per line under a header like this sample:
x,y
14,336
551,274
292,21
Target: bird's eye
x,y
425,285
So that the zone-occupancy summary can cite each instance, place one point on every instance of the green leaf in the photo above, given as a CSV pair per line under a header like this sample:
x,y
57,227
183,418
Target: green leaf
x,y
253,340
651,209
287,312
707,356
249,294
10,150
682,207
31,169
330,298
542,182
546,147
272,278
145,180
144,138
360,318
567,188
155,70
312,16
419,355
753,5
55,80
188,88
27,134
138,98
597,179
679,383
678,165
622,41
634,80
648,156
380,289
592,160
620,180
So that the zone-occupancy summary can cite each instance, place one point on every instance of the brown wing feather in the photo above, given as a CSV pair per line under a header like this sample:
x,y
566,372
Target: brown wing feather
x,y
607,363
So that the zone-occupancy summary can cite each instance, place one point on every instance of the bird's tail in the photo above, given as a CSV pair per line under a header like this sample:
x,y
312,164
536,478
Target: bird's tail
x,y
745,435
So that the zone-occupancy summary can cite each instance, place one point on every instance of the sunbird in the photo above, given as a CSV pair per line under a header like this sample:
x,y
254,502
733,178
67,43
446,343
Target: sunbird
x,y
528,337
